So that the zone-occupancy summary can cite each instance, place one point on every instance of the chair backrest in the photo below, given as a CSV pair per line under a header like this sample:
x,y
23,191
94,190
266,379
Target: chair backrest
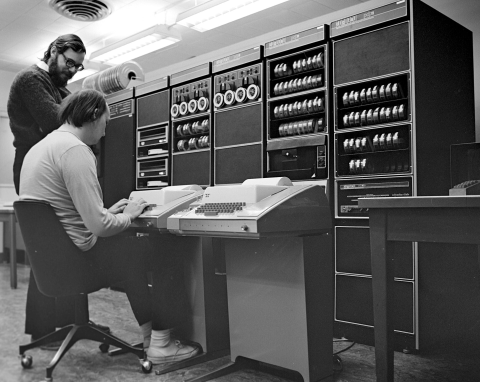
x,y
58,264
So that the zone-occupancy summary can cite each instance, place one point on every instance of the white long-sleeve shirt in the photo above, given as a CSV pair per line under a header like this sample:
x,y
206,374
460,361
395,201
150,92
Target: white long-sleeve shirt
x,y
61,170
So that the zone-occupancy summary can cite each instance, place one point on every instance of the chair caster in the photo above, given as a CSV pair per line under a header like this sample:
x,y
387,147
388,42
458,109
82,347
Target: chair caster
x,y
26,361
337,363
104,347
147,366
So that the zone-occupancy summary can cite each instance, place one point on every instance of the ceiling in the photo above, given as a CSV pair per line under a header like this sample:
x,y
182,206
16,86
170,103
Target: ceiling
x,y
27,27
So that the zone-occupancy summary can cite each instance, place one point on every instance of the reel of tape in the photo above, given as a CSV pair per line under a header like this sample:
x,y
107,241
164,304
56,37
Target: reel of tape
x,y
192,106
203,104
218,100
240,95
175,110
253,92
229,97
183,108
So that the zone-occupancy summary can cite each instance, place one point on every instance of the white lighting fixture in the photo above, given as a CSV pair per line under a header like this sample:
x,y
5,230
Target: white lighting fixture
x,y
215,13
140,44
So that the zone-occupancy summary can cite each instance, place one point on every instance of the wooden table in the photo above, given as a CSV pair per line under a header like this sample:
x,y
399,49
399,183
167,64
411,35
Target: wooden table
x,y
7,215
437,219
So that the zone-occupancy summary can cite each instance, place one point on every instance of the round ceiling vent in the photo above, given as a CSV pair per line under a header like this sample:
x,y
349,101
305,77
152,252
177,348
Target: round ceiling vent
x,y
82,10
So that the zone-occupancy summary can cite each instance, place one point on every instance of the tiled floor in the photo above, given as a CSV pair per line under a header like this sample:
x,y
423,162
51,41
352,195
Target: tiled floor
x,y
84,362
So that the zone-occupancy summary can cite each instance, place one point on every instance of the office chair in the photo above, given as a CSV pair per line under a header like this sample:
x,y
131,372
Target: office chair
x,y
59,268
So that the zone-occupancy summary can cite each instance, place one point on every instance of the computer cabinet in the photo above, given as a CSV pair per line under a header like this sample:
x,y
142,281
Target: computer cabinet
x,y
239,117
192,126
298,106
117,153
402,94
153,134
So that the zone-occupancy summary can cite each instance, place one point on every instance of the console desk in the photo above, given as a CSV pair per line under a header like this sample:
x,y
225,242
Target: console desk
x,y
7,215
436,219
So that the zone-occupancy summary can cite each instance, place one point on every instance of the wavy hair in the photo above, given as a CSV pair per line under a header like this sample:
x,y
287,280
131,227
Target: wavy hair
x,y
64,42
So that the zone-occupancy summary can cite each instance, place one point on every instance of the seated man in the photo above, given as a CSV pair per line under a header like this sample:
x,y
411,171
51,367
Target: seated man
x,y
61,170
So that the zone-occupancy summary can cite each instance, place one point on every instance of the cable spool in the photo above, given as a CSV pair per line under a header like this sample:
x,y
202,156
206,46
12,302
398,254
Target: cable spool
x,y
114,79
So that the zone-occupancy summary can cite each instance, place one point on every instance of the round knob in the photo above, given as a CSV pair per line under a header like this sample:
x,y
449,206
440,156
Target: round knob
x,y
244,228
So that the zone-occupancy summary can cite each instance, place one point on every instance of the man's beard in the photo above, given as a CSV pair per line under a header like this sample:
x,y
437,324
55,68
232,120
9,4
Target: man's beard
x,y
56,74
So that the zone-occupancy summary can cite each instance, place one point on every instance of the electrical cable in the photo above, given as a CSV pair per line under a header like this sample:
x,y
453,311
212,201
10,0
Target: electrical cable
x,y
337,361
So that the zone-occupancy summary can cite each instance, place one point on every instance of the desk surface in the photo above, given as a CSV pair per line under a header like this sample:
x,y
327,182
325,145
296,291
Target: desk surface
x,y
420,202
441,219
6,210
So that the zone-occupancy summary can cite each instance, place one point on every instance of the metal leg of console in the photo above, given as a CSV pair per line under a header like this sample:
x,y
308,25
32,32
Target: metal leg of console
x,y
280,300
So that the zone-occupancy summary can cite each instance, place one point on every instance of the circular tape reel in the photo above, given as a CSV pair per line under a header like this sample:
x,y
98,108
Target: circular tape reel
x,y
253,92
218,100
240,95
203,104
192,106
175,110
183,108
229,97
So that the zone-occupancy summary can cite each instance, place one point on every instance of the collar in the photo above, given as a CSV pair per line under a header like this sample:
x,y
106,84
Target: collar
x,y
42,65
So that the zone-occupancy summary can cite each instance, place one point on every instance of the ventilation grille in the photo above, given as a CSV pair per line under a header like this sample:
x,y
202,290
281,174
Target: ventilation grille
x,y
81,10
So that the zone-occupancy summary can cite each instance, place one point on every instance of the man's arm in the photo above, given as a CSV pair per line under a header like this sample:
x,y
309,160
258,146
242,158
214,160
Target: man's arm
x,y
42,100
80,177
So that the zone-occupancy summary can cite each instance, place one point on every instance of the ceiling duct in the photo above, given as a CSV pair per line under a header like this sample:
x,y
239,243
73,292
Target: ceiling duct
x,y
82,10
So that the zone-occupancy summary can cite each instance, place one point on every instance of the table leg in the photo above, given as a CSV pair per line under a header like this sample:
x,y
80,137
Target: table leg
x,y
13,252
382,285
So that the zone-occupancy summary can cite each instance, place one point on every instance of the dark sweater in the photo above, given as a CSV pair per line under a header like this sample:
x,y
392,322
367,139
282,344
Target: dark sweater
x,y
33,105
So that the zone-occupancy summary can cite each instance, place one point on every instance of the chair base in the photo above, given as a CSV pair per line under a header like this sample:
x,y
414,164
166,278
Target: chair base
x,y
70,335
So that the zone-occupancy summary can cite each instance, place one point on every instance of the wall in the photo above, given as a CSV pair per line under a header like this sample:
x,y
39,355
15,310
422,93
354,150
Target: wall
x,y
7,153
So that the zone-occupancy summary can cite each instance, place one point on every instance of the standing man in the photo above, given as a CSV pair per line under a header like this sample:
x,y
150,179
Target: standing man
x,y
33,106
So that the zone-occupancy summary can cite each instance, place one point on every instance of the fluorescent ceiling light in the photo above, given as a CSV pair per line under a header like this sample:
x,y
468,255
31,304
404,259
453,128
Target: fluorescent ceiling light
x,y
140,44
219,12
84,73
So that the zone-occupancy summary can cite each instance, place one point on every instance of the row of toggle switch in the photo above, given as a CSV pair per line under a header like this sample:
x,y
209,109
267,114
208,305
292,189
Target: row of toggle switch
x,y
301,127
298,85
299,107
385,141
196,127
192,107
298,66
193,143
369,166
372,94
241,95
374,116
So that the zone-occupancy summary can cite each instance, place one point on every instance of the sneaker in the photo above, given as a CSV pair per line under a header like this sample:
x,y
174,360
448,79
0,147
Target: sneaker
x,y
103,328
175,351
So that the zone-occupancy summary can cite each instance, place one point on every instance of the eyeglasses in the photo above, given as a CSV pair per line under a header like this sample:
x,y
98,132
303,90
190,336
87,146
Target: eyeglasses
x,y
72,64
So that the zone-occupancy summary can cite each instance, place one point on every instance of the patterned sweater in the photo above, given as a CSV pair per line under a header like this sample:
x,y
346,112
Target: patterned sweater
x,y
32,106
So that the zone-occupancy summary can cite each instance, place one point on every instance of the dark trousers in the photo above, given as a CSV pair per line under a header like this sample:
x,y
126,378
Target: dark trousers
x,y
43,314
126,259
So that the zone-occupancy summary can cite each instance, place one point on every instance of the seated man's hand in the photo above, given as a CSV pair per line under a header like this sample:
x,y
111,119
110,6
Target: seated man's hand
x,y
118,207
134,208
